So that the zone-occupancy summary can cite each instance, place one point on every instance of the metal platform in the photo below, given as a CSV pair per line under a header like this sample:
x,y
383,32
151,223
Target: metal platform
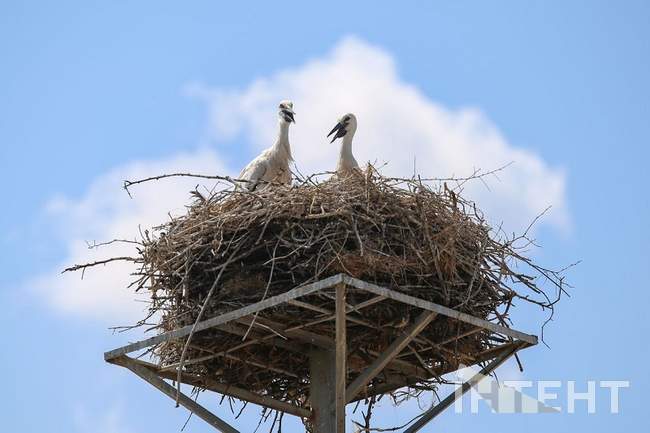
x,y
337,377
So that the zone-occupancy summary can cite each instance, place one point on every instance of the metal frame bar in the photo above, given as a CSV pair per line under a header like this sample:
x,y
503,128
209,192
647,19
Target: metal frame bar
x,y
236,330
341,357
229,390
388,355
227,317
440,309
447,341
401,381
310,289
329,315
342,394
429,415
150,377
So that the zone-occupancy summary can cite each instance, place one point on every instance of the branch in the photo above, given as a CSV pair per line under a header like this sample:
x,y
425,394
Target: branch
x,y
99,262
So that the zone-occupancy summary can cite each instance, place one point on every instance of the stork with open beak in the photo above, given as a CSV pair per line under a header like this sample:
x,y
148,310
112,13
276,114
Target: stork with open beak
x,y
272,165
345,128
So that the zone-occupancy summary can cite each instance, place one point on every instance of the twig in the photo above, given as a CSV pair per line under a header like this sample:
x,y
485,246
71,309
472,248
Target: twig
x,y
84,266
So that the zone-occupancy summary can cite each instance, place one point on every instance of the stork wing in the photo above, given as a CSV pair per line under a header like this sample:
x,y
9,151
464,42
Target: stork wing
x,y
253,173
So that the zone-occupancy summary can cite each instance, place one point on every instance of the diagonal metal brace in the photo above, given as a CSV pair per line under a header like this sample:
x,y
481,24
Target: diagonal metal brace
x,y
427,416
389,354
148,376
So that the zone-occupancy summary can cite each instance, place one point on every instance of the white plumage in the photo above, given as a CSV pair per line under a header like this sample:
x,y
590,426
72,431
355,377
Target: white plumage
x,y
345,128
272,165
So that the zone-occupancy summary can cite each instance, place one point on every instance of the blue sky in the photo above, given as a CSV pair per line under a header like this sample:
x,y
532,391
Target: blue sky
x,y
92,90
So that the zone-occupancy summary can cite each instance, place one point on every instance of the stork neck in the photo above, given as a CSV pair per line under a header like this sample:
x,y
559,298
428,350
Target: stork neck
x,y
346,145
282,143
283,134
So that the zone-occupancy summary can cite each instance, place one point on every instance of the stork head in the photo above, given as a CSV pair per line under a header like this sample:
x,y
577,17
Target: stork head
x,y
347,125
286,112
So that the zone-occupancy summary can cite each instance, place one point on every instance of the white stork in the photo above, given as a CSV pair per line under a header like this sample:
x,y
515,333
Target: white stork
x,y
272,165
346,127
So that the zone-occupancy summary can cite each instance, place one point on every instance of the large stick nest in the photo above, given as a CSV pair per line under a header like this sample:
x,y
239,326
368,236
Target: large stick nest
x,y
235,248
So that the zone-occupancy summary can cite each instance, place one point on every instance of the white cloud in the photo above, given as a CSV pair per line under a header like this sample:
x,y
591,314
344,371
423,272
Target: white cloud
x,y
106,212
397,122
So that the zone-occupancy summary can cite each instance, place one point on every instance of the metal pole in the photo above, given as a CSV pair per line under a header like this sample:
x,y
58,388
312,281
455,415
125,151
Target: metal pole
x,y
341,356
322,367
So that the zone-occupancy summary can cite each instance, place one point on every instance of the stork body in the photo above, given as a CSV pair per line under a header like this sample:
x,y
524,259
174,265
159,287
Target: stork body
x,y
345,128
272,165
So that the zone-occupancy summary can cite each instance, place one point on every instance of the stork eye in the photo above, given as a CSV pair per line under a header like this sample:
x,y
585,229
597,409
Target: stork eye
x,y
346,119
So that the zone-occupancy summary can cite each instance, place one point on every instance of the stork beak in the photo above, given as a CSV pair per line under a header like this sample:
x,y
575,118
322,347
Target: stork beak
x,y
289,115
340,131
